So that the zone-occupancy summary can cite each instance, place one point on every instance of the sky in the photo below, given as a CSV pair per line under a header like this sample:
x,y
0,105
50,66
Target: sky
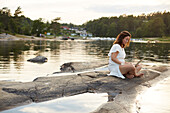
x,y
82,11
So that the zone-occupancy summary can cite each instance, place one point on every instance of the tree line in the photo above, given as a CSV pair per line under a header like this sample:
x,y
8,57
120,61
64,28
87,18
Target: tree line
x,y
151,25
23,25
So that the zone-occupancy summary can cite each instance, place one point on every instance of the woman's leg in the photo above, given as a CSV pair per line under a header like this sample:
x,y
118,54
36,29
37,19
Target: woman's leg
x,y
129,76
138,68
130,71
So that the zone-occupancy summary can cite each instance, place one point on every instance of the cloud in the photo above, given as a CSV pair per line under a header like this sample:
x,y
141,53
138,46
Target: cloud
x,y
129,9
80,11
57,12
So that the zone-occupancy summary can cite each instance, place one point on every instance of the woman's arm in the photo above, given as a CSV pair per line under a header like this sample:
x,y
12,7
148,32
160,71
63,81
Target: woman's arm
x,y
114,57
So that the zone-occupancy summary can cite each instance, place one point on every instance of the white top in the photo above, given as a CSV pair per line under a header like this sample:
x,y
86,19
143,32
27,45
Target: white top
x,y
121,55
114,67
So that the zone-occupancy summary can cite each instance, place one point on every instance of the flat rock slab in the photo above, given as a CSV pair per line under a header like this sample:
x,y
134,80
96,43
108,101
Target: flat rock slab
x,y
78,66
47,88
9,100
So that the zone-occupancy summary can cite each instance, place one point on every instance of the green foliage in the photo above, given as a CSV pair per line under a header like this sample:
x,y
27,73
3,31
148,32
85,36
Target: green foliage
x,y
18,11
111,30
157,27
38,27
55,26
151,25
22,25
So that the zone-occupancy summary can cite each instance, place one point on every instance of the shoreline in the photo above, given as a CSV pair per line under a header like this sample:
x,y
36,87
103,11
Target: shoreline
x,y
128,102
9,37
43,88
48,88
154,83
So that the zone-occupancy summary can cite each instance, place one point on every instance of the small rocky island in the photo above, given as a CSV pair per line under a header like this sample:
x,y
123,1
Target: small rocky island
x,y
38,59
121,92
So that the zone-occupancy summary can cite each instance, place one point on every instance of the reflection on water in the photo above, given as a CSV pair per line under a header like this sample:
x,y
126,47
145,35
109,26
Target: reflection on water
x,y
14,55
156,99
83,103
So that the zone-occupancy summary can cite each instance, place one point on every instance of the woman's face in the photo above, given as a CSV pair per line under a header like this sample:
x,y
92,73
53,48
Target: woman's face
x,y
125,40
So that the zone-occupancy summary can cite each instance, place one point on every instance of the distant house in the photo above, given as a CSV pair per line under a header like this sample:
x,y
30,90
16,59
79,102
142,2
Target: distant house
x,y
89,34
83,34
83,31
86,34
74,29
73,34
48,33
77,31
65,27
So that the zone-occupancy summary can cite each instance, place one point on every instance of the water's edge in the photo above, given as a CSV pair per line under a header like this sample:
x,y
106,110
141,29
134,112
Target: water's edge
x,y
129,102
47,88
153,83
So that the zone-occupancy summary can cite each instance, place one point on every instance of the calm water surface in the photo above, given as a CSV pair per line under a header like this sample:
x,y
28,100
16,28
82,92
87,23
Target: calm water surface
x,y
82,103
156,99
14,55
14,67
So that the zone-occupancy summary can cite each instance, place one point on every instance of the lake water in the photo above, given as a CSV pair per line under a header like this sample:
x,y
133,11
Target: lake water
x,y
14,66
156,99
82,103
14,55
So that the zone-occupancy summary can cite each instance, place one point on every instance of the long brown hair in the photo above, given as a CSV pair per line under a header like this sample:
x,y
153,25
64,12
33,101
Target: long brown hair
x,y
120,37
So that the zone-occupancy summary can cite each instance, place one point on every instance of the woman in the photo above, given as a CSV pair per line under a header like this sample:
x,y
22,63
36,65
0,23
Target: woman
x,y
117,65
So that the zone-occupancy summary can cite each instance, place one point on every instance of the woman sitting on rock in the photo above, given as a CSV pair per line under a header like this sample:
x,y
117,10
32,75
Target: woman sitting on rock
x,y
117,65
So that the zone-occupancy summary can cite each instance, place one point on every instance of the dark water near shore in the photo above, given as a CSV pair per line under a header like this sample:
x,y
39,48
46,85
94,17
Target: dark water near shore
x,y
14,55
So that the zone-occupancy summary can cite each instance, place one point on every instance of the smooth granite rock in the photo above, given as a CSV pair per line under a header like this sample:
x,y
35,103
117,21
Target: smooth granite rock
x,y
121,92
38,59
78,66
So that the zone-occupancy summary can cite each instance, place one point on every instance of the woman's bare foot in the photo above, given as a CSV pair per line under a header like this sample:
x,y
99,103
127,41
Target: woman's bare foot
x,y
139,75
129,76
138,68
